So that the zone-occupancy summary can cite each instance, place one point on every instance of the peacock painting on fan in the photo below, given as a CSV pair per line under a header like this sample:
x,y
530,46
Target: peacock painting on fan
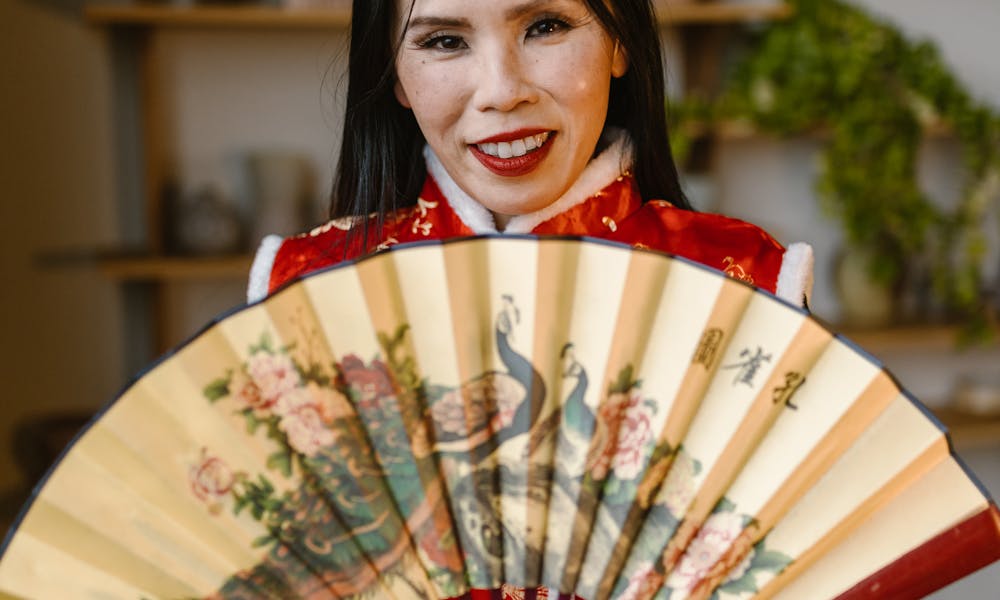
x,y
507,418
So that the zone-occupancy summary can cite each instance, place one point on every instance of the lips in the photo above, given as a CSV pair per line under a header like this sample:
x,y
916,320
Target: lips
x,y
514,153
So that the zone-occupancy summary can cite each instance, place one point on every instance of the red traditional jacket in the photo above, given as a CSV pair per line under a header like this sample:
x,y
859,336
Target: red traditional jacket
x,y
604,203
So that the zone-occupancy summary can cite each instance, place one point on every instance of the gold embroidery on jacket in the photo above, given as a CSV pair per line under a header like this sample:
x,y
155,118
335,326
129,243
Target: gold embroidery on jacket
x,y
734,270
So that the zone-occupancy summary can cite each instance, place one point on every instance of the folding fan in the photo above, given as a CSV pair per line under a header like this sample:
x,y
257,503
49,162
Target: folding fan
x,y
569,416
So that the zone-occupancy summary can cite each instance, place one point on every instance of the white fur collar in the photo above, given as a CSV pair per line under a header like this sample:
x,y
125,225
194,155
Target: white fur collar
x,y
598,174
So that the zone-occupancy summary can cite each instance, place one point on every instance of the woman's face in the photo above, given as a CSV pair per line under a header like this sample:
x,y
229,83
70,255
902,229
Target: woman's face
x,y
511,95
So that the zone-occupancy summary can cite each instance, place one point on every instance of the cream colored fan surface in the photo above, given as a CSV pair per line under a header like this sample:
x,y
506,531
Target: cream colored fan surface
x,y
563,415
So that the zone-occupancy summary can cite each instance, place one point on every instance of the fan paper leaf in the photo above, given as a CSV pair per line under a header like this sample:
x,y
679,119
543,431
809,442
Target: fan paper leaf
x,y
376,462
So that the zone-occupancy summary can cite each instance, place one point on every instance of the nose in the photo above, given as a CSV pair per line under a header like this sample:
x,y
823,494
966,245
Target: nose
x,y
504,81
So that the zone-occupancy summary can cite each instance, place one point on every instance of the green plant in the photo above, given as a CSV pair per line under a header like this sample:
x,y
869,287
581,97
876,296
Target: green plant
x,y
874,95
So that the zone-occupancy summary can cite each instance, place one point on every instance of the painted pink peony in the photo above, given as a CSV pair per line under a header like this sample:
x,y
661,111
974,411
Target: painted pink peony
x,y
713,540
302,422
621,436
274,375
634,434
449,413
678,487
642,583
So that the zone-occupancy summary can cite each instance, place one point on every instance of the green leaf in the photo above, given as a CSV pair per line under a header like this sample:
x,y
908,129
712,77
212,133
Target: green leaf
x,y
219,388
769,560
725,505
264,540
251,420
280,461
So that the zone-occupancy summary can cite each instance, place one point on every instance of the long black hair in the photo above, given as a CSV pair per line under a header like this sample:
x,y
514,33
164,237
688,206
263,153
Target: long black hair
x,y
381,163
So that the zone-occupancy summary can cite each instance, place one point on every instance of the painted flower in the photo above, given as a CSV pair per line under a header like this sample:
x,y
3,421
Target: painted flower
x,y
211,480
714,538
740,570
248,394
332,405
622,432
302,422
274,375
678,487
634,434
609,415
643,583
512,592
449,413
370,383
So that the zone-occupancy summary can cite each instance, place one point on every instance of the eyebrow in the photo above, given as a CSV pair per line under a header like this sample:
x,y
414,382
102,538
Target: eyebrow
x,y
512,14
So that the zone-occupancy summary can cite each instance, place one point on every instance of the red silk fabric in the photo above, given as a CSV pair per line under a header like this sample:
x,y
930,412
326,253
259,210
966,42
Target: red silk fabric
x,y
615,213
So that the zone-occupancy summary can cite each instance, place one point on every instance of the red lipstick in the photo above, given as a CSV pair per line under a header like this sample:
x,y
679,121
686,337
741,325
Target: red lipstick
x,y
514,166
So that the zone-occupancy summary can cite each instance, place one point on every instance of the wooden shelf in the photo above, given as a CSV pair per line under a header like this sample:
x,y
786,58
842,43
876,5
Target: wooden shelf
x,y
916,338
260,17
742,130
970,431
175,268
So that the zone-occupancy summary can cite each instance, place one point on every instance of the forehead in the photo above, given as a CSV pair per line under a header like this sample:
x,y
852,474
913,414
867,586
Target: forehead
x,y
470,9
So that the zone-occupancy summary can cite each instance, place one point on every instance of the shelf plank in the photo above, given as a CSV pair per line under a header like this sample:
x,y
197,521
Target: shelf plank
x,y
232,17
260,17
970,431
175,268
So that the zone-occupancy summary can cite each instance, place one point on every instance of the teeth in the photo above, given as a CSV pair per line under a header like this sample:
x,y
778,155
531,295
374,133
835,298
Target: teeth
x,y
515,148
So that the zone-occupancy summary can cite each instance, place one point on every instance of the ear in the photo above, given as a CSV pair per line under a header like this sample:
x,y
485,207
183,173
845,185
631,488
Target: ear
x,y
619,61
401,96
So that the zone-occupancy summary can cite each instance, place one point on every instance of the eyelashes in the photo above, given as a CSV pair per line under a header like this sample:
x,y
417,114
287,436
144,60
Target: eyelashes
x,y
544,26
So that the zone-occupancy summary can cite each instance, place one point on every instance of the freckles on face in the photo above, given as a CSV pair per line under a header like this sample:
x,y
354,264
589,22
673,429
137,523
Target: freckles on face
x,y
511,95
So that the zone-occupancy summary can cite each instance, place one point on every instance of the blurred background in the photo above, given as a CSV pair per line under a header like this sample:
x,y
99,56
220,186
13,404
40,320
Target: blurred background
x,y
145,151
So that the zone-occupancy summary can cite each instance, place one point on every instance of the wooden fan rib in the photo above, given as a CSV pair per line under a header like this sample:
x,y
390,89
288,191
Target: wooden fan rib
x,y
311,578
427,306
817,460
291,407
139,457
711,345
941,498
952,554
776,397
656,354
597,279
468,461
82,528
743,381
295,319
379,468
555,302
34,569
241,337
639,300
857,486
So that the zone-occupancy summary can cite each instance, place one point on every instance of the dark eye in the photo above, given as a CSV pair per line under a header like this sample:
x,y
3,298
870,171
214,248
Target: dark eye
x,y
547,27
448,43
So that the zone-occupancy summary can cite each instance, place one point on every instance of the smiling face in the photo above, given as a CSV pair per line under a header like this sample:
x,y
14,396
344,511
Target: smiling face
x,y
510,94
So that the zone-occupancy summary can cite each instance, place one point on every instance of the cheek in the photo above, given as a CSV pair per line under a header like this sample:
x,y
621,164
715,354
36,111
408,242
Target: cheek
x,y
433,95
579,79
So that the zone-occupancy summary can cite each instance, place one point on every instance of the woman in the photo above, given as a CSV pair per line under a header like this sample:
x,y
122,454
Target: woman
x,y
519,116
513,116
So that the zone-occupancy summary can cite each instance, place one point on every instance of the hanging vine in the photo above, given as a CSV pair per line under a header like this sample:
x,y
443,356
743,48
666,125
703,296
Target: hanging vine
x,y
874,95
